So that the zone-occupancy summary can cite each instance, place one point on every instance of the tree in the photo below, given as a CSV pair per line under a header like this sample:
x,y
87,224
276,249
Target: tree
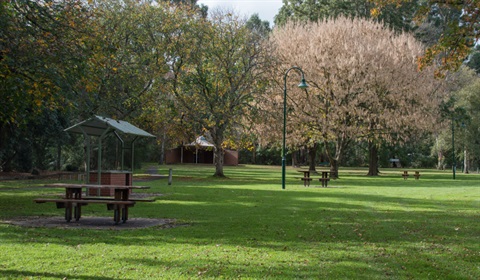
x,y
255,24
127,58
474,60
459,36
215,77
460,116
398,17
41,57
73,59
364,83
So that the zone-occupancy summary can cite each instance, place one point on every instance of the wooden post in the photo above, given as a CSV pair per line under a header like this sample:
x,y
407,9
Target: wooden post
x,y
169,176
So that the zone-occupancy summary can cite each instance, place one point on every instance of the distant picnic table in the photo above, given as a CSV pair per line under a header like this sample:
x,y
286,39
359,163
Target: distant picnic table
x,y
323,180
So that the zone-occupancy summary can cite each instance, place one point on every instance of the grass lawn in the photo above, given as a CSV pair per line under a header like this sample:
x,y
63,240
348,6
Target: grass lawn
x,y
247,227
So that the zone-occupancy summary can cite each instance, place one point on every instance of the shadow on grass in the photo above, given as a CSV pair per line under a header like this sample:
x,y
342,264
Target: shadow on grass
x,y
18,274
232,214
346,231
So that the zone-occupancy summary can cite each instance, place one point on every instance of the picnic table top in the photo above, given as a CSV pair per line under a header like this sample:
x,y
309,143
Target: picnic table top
x,y
91,186
315,171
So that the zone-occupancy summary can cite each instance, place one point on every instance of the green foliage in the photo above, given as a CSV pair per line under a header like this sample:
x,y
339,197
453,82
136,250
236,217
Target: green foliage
x,y
255,24
399,17
458,21
41,59
262,156
474,60
71,59
460,120
215,78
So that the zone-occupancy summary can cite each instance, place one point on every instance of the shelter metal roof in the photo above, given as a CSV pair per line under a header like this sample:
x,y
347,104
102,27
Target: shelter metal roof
x,y
96,126
201,141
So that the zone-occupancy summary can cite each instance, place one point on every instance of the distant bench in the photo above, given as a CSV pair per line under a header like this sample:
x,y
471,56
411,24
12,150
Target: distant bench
x,y
416,175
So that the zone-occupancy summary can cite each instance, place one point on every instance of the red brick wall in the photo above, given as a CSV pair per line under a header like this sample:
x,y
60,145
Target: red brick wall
x,y
231,157
110,178
172,156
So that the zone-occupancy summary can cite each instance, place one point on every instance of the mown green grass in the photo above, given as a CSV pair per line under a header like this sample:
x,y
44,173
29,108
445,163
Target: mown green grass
x,y
246,227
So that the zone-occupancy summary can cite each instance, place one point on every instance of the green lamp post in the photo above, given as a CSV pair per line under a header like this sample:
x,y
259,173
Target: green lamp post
x,y
302,85
454,162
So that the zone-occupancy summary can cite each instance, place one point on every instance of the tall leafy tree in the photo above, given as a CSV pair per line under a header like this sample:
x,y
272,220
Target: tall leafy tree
x,y
364,84
474,60
160,112
255,24
41,57
127,58
460,117
215,76
398,16
457,38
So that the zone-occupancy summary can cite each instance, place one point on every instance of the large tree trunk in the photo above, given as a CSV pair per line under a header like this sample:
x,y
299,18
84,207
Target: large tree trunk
x,y
465,162
373,159
333,168
312,153
162,148
217,135
441,161
334,159
440,157
219,156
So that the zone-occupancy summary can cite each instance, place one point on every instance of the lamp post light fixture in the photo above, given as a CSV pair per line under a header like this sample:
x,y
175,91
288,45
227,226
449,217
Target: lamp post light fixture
x,y
302,85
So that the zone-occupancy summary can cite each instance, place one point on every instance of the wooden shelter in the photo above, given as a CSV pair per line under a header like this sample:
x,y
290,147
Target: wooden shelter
x,y
199,151
125,133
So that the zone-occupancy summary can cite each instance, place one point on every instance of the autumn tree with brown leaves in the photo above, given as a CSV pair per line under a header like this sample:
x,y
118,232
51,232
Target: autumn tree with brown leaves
x,y
364,85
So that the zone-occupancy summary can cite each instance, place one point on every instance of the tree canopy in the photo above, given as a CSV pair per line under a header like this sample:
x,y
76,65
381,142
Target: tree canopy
x,y
215,78
180,70
459,35
364,83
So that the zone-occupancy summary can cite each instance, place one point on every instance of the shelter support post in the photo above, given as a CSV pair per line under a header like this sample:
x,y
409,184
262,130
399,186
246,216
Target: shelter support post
x,y
123,150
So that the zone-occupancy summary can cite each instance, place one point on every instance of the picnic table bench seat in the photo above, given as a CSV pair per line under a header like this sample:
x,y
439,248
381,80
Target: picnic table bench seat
x,y
324,181
416,175
119,207
109,198
306,181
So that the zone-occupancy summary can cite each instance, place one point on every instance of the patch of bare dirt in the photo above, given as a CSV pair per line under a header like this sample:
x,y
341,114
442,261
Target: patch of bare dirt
x,y
40,175
98,223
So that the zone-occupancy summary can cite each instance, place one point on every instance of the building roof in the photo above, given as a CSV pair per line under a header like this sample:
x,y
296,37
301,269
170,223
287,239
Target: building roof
x,y
201,141
97,126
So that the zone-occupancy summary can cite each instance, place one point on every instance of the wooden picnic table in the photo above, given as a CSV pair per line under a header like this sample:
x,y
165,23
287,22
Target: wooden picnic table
x,y
306,173
73,199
